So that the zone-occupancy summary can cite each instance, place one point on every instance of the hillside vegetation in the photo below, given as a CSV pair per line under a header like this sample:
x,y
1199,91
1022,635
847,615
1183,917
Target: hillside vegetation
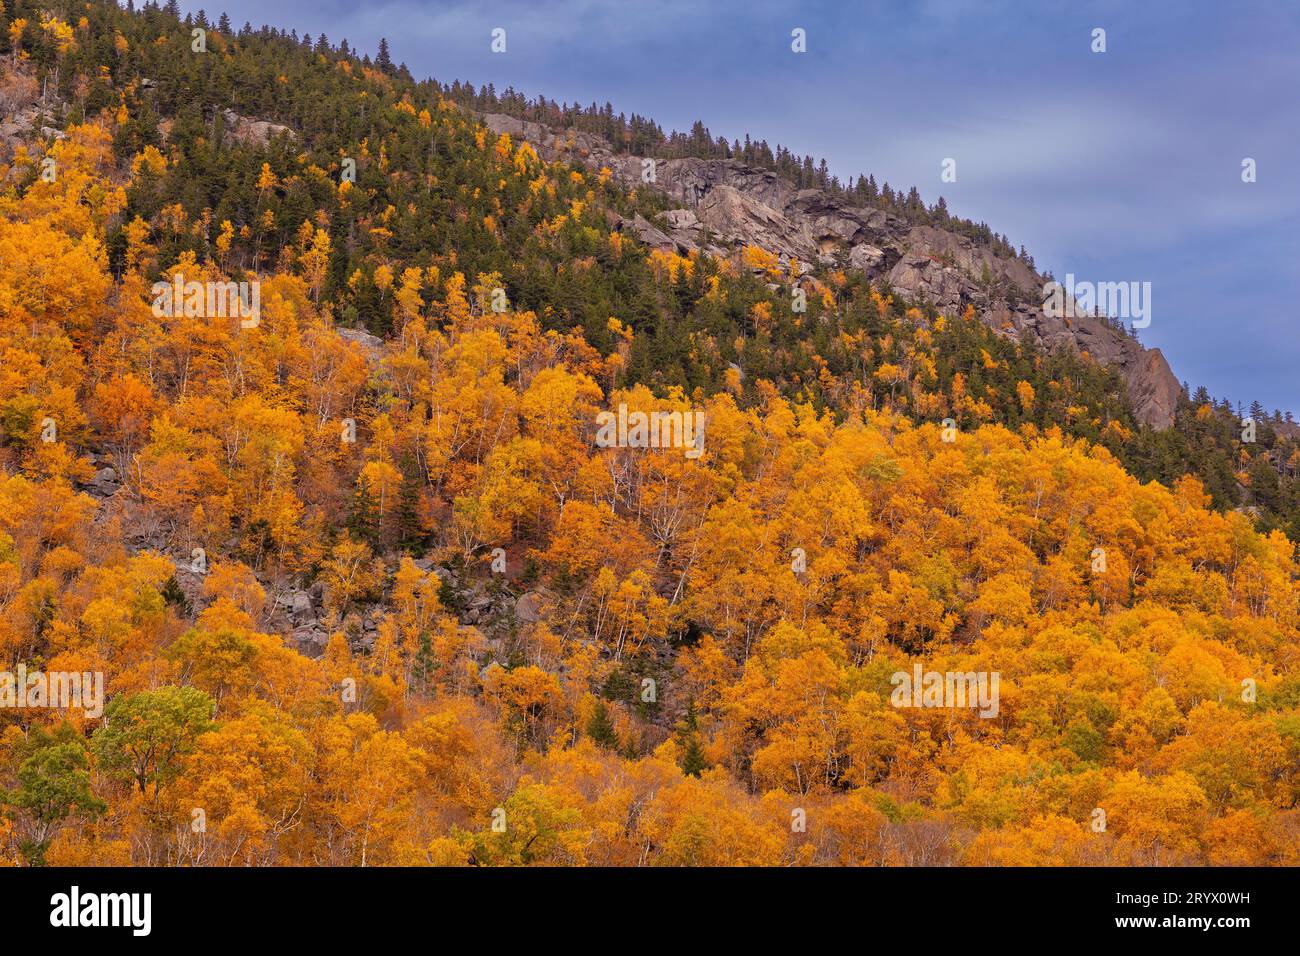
x,y
366,589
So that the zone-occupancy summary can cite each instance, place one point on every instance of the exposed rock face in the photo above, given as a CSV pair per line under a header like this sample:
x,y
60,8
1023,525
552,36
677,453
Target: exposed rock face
x,y
725,203
21,109
1152,387
641,227
371,345
242,129
529,607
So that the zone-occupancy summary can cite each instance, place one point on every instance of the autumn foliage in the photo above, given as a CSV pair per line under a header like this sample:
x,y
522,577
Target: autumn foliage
x,y
367,600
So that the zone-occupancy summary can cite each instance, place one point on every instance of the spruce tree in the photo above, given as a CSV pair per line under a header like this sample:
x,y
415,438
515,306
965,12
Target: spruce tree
x,y
410,536
693,762
363,522
601,729
424,664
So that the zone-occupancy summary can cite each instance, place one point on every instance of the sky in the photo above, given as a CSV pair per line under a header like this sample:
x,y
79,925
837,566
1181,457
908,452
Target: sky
x,y
1123,165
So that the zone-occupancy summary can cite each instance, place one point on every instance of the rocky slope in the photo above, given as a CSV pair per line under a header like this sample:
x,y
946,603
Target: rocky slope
x,y
726,203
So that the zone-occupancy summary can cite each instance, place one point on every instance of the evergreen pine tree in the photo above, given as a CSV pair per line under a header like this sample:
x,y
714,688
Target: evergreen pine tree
x,y
410,537
693,762
423,666
601,729
363,522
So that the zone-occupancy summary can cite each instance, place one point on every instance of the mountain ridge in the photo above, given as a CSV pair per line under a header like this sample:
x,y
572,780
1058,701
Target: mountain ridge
x,y
740,204
374,594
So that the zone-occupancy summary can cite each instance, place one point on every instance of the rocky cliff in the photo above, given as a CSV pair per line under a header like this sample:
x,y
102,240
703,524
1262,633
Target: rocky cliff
x,y
725,203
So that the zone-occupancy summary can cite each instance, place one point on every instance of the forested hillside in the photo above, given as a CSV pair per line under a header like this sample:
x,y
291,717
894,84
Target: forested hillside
x,y
367,586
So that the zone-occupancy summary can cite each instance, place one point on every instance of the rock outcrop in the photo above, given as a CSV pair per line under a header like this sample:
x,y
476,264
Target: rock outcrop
x,y
22,109
253,132
725,203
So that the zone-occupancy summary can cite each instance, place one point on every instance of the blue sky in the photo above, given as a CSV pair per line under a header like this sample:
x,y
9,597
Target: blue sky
x,y
1123,165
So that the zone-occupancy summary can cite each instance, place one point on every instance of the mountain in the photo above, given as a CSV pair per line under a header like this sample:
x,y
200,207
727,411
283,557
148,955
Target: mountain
x,y
724,203
419,498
